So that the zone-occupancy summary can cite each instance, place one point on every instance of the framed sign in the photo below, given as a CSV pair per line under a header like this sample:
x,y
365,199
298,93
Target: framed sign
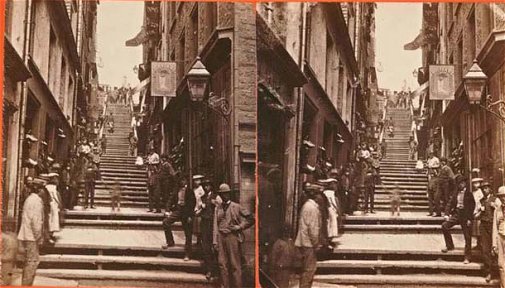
x,y
163,79
441,82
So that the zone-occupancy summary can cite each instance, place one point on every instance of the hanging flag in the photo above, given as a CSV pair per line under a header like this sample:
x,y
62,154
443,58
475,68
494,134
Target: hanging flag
x,y
416,44
140,38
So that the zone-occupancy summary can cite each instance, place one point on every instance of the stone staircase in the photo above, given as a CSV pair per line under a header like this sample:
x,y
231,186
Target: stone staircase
x,y
380,250
98,247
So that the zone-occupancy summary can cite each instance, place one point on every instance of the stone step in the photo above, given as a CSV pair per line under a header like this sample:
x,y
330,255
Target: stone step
x,y
124,198
123,187
405,179
406,280
134,262
414,186
124,192
407,202
122,157
117,224
108,214
123,177
408,192
404,208
138,183
129,204
405,197
126,172
397,228
157,278
377,265
382,219
129,170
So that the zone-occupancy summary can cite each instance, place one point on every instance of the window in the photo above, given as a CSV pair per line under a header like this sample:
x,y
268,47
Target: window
x,y
459,64
211,16
52,59
193,49
8,17
471,37
49,136
181,60
63,84
70,92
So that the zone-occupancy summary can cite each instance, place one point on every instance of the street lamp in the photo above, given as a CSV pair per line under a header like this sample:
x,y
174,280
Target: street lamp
x,y
475,82
197,78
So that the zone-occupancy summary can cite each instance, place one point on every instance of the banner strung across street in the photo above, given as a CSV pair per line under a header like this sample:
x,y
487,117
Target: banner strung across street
x,y
441,82
163,79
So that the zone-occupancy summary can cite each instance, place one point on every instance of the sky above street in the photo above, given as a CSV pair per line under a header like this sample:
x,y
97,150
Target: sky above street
x,y
396,25
118,21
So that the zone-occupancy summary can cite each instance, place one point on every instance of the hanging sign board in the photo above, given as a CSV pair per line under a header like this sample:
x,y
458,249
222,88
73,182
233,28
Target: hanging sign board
x,y
163,79
441,82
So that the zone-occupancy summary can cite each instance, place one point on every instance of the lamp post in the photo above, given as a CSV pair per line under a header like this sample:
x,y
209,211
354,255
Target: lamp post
x,y
475,83
197,79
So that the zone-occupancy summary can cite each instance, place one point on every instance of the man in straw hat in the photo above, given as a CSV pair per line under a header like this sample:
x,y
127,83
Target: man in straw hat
x,y
31,232
459,211
499,232
307,238
231,220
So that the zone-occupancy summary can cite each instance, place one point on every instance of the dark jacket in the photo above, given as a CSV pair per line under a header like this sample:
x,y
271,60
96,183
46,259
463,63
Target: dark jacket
x,y
208,211
468,204
487,212
189,201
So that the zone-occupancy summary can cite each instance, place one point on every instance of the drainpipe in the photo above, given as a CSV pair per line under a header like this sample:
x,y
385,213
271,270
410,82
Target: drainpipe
x,y
21,171
302,57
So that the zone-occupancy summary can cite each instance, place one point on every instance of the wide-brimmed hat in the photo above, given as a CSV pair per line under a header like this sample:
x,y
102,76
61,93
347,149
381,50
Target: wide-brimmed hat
x,y
485,184
501,191
223,188
198,177
206,181
39,182
477,179
328,180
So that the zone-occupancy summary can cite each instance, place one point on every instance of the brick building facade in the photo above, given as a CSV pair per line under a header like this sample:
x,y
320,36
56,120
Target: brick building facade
x,y
42,85
315,68
221,146
468,31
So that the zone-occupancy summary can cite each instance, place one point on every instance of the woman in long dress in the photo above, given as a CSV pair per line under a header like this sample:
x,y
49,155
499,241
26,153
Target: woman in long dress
x,y
55,204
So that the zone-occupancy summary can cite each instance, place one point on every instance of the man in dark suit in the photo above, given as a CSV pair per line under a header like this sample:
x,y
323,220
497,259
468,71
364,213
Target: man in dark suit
x,y
206,212
485,215
180,207
459,211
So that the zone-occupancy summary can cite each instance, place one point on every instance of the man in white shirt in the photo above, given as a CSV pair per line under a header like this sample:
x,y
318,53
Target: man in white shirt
x,y
307,238
30,234
434,202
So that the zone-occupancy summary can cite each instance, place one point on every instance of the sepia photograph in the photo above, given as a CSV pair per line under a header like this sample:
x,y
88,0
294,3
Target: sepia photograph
x,y
129,144
253,144
381,144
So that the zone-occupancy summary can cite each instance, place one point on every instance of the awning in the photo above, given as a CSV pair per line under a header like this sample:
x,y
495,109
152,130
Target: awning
x,y
14,65
416,43
140,38
491,55
138,89
455,107
418,93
